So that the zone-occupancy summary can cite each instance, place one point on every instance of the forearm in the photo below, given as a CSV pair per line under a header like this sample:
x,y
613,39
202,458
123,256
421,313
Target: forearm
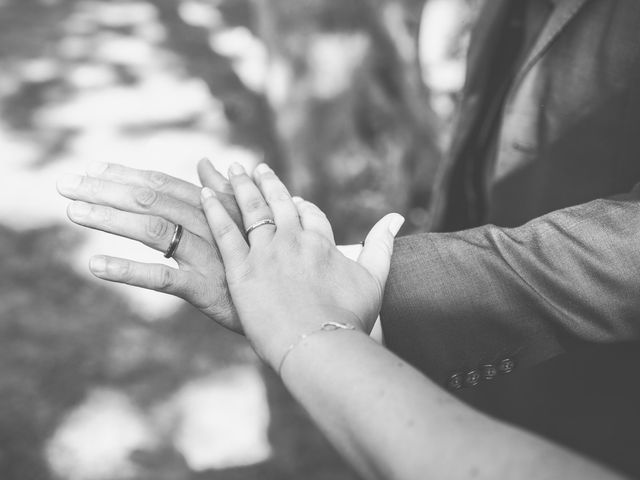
x,y
392,422
457,301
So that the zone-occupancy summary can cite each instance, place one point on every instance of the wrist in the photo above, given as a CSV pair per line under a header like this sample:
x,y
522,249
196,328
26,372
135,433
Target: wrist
x,y
318,350
274,340
326,327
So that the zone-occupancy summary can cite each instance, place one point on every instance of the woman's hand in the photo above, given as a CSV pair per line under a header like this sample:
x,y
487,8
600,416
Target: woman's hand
x,y
145,206
291,278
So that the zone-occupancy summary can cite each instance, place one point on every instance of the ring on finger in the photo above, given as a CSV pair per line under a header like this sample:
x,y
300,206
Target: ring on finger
x,y
175,241
261,223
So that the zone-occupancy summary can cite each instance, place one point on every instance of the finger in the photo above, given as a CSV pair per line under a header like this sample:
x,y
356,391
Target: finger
x,y
278,198
212,178
175,187
135,199
378,247
252,204
152,276
155,232
226,233
314,219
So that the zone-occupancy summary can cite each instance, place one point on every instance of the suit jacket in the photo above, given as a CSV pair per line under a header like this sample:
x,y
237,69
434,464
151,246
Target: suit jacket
x,y
469,306
568,132
587,400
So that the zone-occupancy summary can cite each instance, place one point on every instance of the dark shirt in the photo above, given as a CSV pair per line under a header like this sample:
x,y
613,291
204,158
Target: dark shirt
x,y
468,196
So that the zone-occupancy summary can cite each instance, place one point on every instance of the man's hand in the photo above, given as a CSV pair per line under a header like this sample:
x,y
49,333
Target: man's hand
x,y
145,206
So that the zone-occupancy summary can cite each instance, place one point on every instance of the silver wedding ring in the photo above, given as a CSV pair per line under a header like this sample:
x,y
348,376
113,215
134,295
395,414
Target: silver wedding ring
x,y
266,221
175,241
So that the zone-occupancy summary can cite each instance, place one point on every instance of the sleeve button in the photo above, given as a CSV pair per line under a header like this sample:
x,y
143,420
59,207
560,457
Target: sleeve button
x,y
472,378
456,381
488,371
506,366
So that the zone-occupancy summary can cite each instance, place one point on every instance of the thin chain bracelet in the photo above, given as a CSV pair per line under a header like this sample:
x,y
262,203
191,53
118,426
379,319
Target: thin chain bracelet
x,y
325,327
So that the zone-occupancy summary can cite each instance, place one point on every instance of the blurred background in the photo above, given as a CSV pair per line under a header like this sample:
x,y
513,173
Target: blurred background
x,y
350,101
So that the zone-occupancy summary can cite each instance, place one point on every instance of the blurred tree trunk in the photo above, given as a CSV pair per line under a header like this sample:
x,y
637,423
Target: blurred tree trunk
x,y
367,145
249,114
396,28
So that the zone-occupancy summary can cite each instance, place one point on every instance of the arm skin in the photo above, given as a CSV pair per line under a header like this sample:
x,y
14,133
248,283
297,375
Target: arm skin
x,y
391,422
458,300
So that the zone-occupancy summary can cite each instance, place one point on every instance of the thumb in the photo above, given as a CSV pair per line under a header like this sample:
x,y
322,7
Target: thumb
x,y
378,247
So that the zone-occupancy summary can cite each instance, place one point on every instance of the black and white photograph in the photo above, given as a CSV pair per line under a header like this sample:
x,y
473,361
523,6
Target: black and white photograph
x,y
319,239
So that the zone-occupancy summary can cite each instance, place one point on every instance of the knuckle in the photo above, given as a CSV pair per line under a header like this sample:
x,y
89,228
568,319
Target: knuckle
x,y
123,271
166,280
157,228
145,197
91,185
157,179
200,297
103,215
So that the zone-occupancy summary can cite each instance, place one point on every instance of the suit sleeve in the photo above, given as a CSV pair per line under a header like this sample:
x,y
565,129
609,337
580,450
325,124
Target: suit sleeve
x,y
457,301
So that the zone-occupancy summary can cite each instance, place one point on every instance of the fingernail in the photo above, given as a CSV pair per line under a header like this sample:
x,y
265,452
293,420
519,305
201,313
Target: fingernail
x,y
98,264
263,168
236,169
79,209
297,199
207,193
96,169
396,224
69,182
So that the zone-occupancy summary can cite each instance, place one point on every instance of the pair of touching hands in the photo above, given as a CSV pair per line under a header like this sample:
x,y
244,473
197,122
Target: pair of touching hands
x,y
280,282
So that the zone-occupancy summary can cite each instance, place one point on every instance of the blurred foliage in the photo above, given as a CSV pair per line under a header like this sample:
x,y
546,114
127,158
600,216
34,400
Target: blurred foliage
x,y
368,146
359,151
